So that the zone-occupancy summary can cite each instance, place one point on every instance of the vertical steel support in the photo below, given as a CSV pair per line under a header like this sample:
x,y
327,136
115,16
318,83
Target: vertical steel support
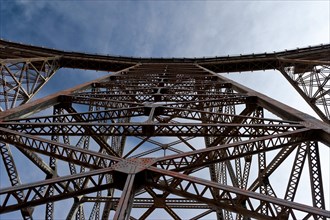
x,y
296,171
53,162
95,213
126,200
13,176
316,177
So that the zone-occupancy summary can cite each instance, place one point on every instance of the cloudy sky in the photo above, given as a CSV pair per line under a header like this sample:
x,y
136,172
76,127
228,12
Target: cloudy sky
x,y
166,28
170,29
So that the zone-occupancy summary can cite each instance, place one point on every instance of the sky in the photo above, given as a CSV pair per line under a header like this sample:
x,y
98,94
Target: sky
x,y
170,29
167,29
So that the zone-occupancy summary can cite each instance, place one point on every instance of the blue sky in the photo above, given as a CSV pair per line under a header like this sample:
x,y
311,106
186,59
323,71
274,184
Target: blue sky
x,y
164,28
170,29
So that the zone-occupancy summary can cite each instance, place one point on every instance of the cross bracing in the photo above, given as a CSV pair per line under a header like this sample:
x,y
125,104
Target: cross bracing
x,y
163,137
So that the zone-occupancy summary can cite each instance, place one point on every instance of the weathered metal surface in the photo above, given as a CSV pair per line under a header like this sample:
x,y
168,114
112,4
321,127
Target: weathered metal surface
x,y
166,136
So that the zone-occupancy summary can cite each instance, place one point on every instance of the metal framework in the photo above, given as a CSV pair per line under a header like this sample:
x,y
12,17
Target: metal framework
x,y
162,138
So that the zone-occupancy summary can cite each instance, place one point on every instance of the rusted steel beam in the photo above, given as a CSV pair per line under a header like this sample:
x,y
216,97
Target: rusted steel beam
x,y
152,128
61,151
250,62
237,200
148,202
282,110
167,109
210,155
51,100
61,186
126,201
311,80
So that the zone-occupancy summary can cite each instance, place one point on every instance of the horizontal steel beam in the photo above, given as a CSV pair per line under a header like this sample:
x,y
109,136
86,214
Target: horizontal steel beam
x,y
233,198
148,202
250,62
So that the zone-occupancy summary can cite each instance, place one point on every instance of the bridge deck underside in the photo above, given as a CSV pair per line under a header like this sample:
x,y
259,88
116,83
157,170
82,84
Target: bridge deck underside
x,y
161,137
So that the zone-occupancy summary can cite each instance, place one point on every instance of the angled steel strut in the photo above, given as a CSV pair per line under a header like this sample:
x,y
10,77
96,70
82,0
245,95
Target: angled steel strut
x,y
162,137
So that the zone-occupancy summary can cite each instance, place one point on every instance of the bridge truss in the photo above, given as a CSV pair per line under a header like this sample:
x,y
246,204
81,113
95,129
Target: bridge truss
x,y
162,138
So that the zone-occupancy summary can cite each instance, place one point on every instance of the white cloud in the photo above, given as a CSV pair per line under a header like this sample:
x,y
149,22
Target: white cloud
x,y
176,29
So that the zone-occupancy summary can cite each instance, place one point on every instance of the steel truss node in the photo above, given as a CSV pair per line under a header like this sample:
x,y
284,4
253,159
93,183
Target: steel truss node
x,y
162,137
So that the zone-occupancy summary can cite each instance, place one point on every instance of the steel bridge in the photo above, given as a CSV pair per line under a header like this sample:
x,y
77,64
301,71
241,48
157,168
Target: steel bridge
x,y
162,138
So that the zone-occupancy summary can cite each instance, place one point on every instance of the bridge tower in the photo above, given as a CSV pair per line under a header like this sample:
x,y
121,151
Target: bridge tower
x,y
162,138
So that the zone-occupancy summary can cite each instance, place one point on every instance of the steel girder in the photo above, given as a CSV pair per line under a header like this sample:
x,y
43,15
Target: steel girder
x,y
163,137
312,80
21,79
26,68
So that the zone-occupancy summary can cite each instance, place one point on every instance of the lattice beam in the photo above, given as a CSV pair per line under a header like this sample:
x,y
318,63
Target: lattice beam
x,y
312,81
163,137
21,79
